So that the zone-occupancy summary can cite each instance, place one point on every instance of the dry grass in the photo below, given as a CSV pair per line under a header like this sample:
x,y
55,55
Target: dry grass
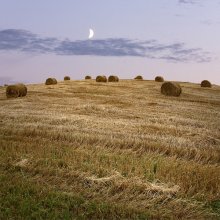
x,y
119,144
139,77
171,89
66,78
51,81
101,78
17,90
113,78
206,83
159,79
88,77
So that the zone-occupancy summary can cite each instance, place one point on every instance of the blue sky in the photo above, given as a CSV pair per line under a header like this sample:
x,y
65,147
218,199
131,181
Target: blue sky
x,y
178,39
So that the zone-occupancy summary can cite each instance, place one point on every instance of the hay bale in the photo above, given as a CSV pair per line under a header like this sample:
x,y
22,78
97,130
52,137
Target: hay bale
x,y
206,83
66,78
101,78
5,85
113,78
51,81
17,90
171,89
88,77
159,79
138,77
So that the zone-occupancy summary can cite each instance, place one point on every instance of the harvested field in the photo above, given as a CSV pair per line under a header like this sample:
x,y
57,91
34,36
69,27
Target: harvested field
x,y
114,150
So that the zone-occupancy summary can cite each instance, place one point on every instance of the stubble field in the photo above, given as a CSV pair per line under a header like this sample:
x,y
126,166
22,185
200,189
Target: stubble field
x,y
88,150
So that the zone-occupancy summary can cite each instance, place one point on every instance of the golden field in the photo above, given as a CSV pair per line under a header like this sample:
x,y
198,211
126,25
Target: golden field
x,y
87,150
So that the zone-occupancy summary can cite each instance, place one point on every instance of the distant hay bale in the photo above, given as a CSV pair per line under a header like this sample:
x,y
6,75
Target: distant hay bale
x,y
171,89
88,77
5,85
206,83
51,81
113,78
159,79
66,78
101,78
17,90
138,77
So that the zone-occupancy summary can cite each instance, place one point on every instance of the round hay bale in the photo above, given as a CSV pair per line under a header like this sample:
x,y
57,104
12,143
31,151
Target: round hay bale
x,y
66,78
5,85
138,77
113,78
51,81
88,77
171,89
101,78
206,83
17,90
159,79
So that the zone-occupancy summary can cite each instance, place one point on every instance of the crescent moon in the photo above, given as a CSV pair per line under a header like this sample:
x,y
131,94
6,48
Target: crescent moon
x,y
91,33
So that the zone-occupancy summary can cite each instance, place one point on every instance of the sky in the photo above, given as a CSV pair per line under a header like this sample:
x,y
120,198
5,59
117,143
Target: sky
x,y
177,39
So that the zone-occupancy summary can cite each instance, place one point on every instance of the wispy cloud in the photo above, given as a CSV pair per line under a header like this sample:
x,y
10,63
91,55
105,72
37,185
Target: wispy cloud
x,y
25,41
189,1
209,22
22,40
194,2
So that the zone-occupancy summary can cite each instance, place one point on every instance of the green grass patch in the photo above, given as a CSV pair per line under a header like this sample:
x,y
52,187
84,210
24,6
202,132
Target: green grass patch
x,y
215,206
21,199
